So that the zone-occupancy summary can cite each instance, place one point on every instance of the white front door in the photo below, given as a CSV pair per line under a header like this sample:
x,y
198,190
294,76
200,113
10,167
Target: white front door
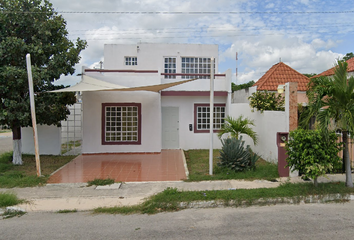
x,y
170,127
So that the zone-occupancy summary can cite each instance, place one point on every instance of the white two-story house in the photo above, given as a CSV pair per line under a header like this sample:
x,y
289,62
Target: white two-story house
x,y
139,118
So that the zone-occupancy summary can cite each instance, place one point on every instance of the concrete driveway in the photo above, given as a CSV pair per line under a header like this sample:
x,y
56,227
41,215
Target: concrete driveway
x,y
169,165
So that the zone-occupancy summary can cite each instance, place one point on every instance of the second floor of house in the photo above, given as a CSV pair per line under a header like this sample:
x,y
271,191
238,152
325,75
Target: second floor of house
x,y
154,63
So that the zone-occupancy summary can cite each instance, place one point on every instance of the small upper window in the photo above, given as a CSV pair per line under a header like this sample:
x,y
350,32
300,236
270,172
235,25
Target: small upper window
x,y
131,61
170,66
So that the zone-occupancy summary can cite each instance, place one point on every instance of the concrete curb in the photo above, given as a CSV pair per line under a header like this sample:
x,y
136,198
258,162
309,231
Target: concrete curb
x,y
262,202
90,203
185,164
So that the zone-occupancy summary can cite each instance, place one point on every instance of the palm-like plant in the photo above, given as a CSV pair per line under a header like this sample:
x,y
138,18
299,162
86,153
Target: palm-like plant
x,y
331,100
238,126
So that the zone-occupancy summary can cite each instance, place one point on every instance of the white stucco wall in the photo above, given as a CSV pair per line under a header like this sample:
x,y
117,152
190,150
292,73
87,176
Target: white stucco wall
x,y
150,56
49,140
92,121
188,139
242,95
267,124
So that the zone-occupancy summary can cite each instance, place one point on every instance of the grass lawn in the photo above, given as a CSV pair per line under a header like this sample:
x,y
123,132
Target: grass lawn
x,y
26,175
170,198
5,130
198,167
66,147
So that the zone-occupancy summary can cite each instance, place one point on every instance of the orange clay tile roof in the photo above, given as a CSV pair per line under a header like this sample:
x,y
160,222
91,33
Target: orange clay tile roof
x,y
280,74
330,72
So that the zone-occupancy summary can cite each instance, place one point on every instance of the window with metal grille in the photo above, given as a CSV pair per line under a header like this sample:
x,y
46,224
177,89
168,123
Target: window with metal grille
x,y
202,117
121,123
131,61
192,65
170,66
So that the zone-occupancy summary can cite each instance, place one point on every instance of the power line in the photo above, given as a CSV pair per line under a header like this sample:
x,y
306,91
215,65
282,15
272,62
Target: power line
x,y
180,13
196,36
191,30
207,27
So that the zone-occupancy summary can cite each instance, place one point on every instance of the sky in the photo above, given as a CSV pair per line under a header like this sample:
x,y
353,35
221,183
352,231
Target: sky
x,y
307,35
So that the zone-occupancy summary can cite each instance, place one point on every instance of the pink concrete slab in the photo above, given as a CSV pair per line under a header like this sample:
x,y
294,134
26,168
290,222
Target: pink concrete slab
x,y
133,167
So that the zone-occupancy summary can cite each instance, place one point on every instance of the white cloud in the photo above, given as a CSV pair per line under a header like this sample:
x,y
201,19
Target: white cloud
x,y
307,43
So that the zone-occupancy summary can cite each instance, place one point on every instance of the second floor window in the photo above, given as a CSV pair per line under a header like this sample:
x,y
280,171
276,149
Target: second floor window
x,y
192,65
170,66
131,61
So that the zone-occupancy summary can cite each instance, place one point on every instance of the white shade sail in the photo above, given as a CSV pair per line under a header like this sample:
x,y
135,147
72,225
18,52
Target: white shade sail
x,y
89,84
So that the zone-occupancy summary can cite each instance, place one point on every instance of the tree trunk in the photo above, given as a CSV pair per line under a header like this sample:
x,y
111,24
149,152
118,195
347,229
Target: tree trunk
x,y
17,147
348,170
315,182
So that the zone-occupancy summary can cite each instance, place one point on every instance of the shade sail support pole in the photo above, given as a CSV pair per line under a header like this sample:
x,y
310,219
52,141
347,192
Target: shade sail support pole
x,y
33,114
211,117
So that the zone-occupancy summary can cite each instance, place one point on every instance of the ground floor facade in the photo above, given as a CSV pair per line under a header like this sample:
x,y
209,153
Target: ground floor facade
x,y
147,122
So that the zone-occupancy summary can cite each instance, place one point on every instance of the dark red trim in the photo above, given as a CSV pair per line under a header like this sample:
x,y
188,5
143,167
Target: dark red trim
x,y
120,153
194,74
103,130
193,93
195,116
121,71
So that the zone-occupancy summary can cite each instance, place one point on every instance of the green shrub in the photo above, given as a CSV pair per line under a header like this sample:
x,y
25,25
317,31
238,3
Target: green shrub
x,y
100,182
235,156
8,199
262,101
312,153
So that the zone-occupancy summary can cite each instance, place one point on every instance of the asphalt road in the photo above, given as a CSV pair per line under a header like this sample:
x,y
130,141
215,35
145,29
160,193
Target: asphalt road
x,y
5,142
313,221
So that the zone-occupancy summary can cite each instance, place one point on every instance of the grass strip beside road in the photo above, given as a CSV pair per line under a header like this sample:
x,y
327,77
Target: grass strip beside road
x,y
173,200
198,167
9,199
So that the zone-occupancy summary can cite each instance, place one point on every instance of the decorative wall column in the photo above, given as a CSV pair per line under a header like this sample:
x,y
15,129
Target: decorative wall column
x,y
293,115
291,111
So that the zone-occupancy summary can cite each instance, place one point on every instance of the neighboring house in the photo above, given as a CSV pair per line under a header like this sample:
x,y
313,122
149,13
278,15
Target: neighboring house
x,y
269,123
279,74
330,72
150,119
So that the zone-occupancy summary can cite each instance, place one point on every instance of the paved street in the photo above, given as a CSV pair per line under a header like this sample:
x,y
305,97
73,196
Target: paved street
x,y
5,142
311,221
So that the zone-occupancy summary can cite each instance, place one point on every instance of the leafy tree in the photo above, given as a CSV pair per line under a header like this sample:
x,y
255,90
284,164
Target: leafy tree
x,y
235,87
348,56
238,126
32,26
265,100
309,74
331,101
312,154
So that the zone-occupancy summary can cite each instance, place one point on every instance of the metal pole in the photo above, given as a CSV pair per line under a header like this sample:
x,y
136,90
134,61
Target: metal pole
x,y
211,126
33,114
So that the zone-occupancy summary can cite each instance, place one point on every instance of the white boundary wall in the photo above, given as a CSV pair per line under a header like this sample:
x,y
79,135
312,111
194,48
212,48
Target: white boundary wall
x,y
267,124
49,140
